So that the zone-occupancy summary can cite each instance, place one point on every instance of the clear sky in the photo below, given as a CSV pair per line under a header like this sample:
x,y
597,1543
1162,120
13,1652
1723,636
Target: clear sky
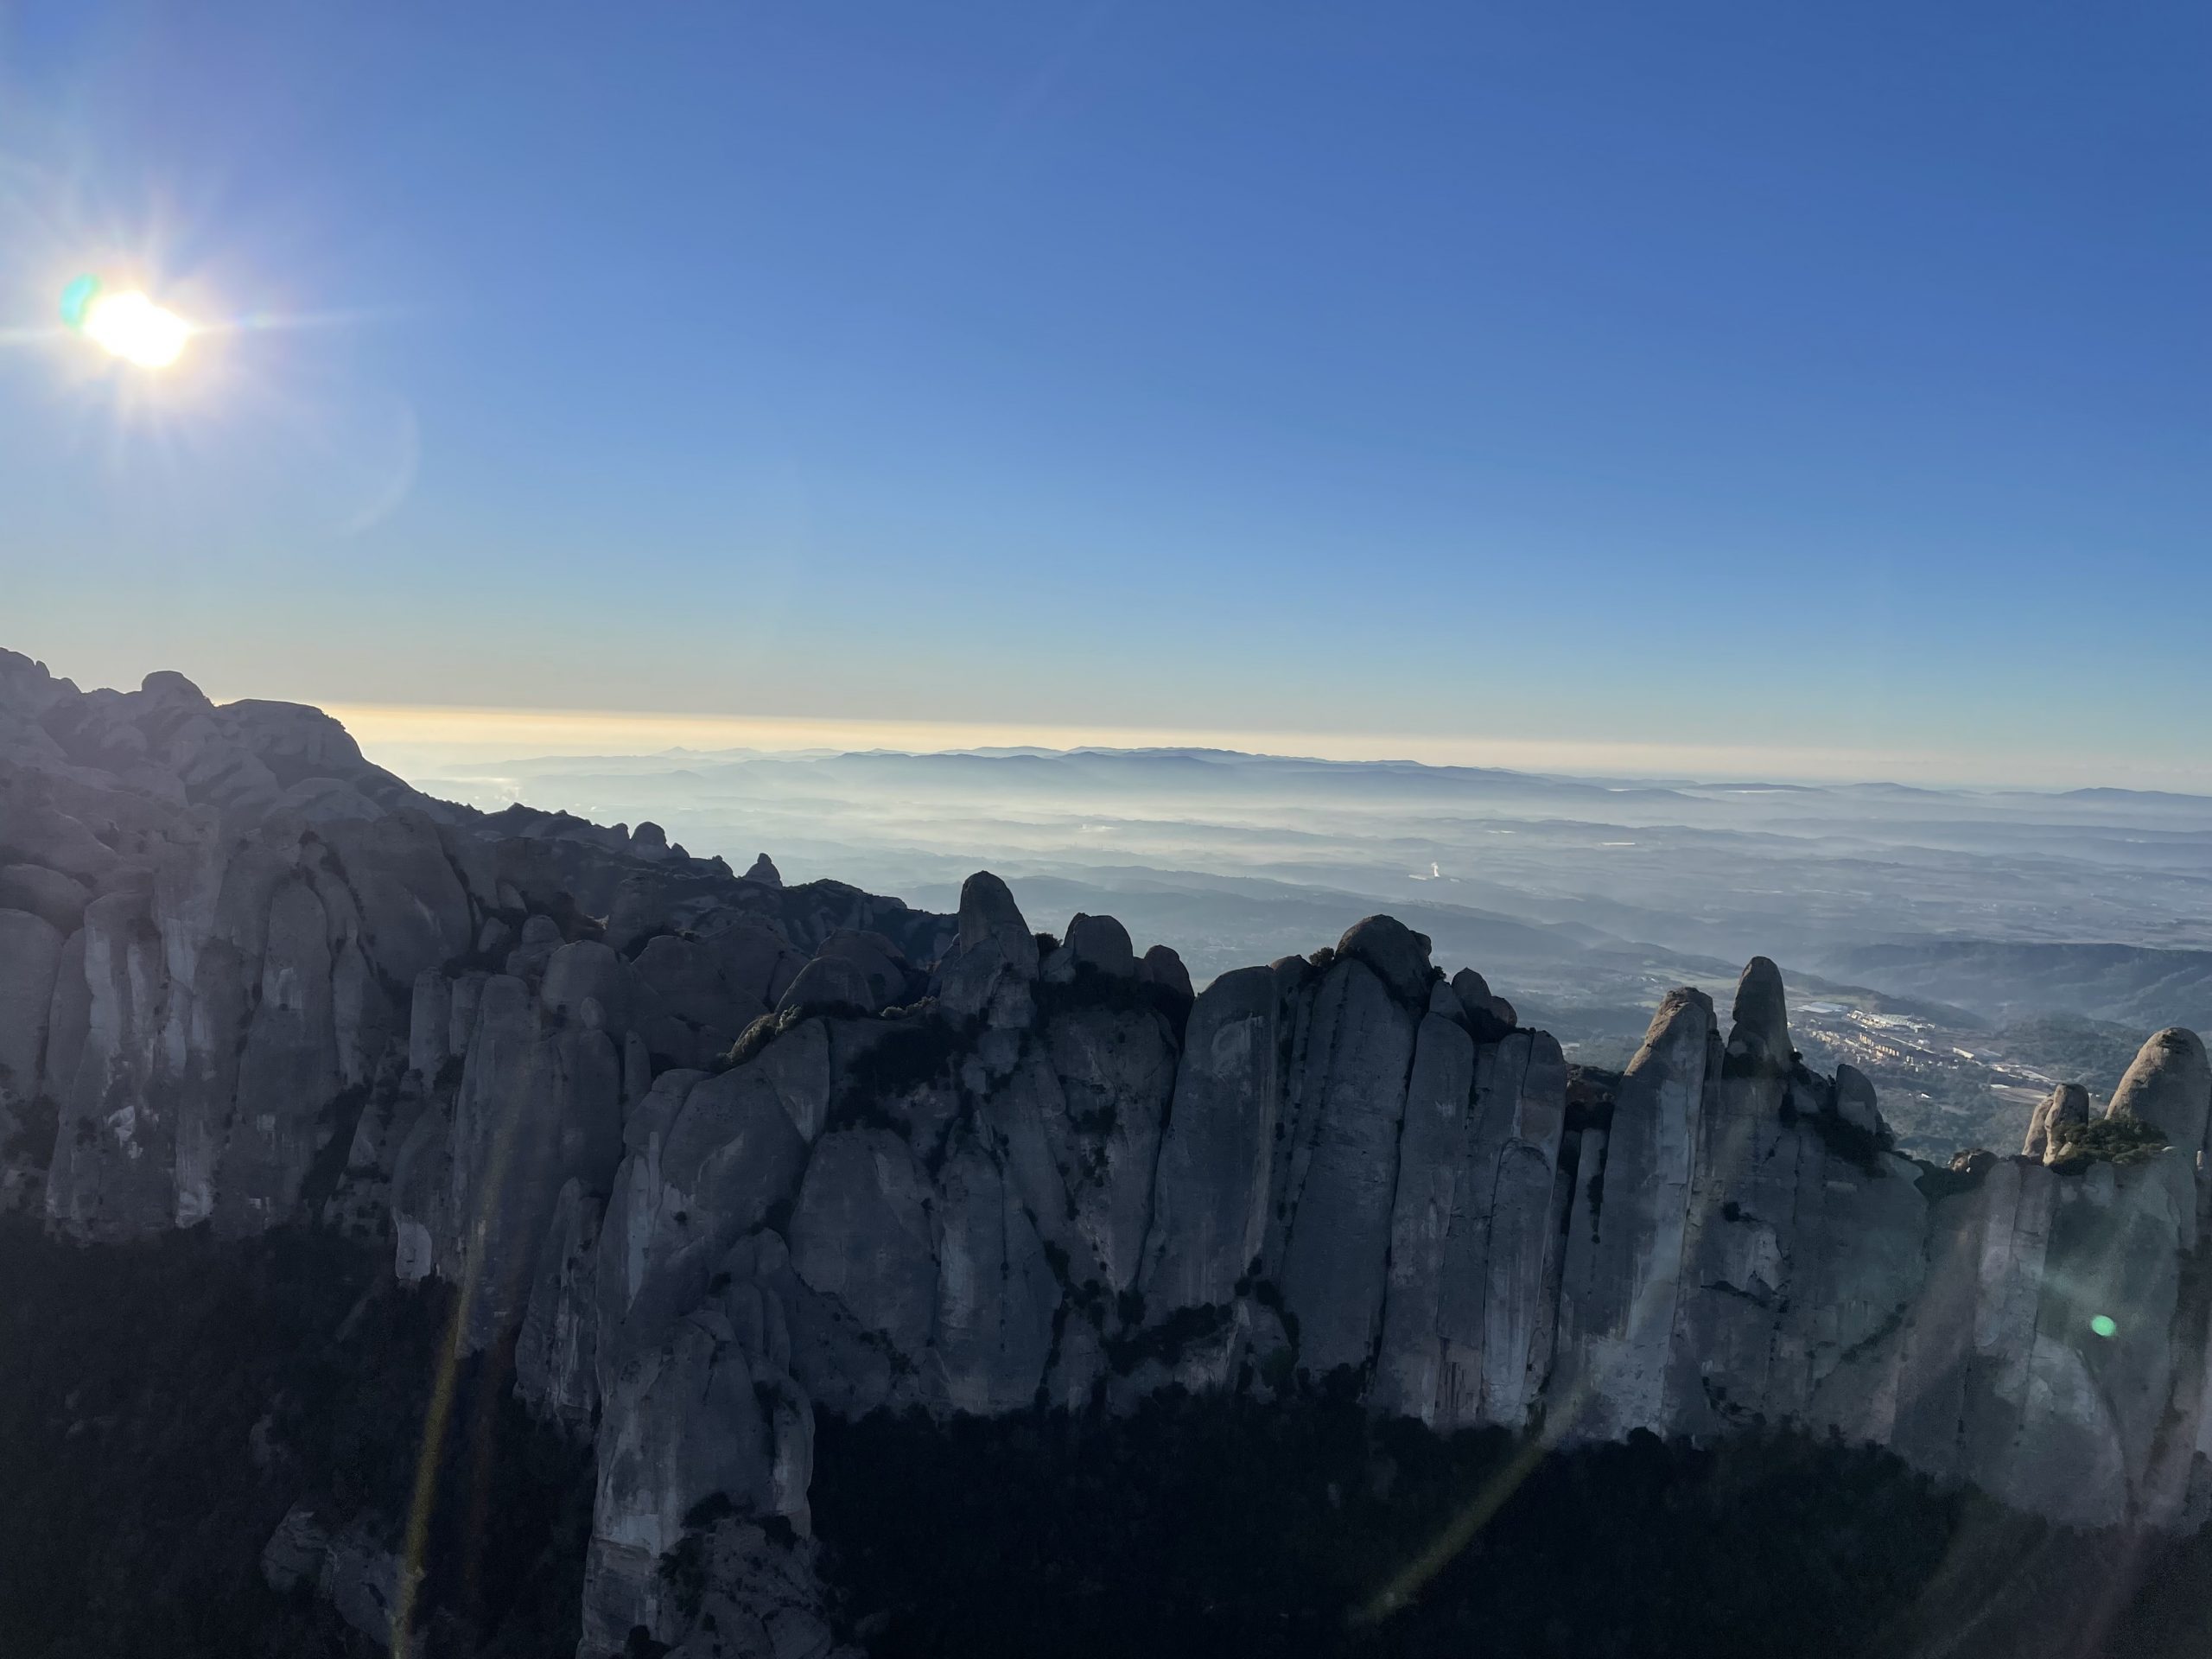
x,y
1826,387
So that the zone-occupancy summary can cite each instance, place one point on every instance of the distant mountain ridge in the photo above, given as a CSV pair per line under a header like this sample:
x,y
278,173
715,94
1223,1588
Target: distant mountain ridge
x,y
2127,984
1683,785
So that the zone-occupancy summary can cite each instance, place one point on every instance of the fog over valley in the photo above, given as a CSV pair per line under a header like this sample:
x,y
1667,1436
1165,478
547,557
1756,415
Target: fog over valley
x,y
1964,948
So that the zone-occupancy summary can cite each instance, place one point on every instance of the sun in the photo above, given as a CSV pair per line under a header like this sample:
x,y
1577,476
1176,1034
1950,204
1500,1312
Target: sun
x,y
127,324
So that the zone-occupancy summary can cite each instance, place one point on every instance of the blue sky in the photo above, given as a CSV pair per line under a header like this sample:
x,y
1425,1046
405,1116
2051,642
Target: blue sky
x,y
1800,381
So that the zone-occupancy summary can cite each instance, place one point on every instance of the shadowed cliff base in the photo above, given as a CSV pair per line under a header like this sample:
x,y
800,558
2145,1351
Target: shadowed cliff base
x,y
1212,1525
162,1403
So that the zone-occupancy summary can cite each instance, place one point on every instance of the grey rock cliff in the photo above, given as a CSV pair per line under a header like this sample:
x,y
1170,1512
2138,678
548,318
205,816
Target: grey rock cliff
x,y
717,1154
1336,1207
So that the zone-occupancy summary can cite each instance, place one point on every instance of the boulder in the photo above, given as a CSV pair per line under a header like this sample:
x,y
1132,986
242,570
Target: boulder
x,y
1855,1102
757,963
1163,968
58,899
587,972
993,961
1758,1041
880,962
830,985
540,939
2067,1107
1489,1018
364,1580
1094,943
1397,954
2169,1087
295,1551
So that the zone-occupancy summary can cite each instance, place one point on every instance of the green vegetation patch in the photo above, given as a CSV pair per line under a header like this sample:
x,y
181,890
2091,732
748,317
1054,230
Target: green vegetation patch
x,y
2125,1140
920,1048
2094,1052
758,1035
1166,1340
1094,987
1965,1173
1863,1149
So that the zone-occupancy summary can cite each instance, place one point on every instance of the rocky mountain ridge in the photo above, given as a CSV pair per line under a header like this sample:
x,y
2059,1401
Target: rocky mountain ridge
x,y
713,1156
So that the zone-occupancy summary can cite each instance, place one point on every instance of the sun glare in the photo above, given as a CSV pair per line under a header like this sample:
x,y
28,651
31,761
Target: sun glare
x,y
127,324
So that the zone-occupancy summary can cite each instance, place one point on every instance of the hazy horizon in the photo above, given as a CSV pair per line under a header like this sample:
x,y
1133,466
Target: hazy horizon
x,y
418,732
411,738
1778,393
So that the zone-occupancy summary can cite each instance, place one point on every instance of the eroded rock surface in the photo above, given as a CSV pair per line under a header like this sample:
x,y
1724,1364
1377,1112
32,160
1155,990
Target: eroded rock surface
x,y
717,1153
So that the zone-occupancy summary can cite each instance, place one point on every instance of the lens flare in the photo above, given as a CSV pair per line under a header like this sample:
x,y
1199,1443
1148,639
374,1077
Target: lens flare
x,y
127,324
2104,1326
77,299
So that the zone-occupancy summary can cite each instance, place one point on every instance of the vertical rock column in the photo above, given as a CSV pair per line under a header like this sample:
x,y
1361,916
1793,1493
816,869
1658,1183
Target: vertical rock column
x,y
1523,1235
30,960
709,1419
1210,1185
110,1176
1344,1157
1623,1272
2170,1086
1741,1229
1431,1167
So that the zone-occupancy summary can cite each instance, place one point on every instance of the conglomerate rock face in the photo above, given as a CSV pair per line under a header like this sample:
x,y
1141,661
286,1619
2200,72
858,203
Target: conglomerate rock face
x,y
717,1154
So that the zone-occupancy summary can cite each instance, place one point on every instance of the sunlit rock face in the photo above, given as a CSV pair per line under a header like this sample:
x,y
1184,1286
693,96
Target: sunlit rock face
x,y
717,1153
1623,1278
